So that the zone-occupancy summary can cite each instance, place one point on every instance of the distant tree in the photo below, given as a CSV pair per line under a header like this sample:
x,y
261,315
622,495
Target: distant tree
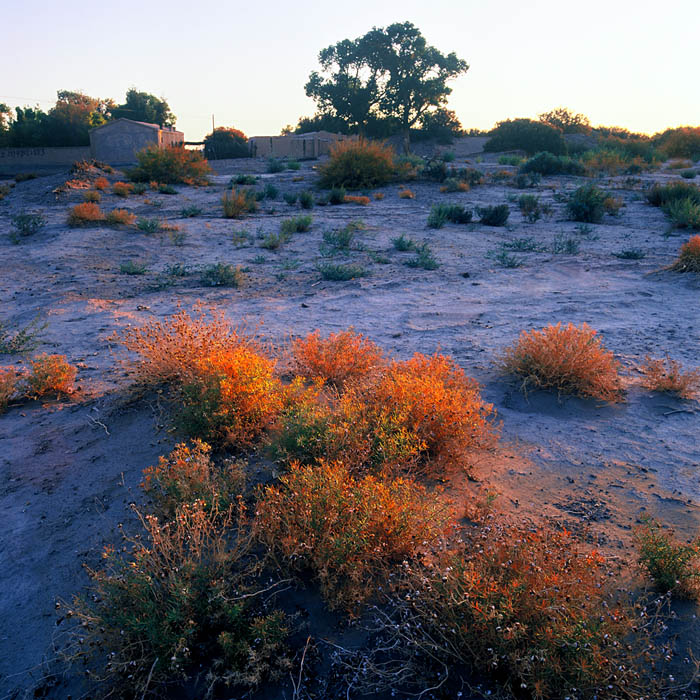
x,y
440,125
28,128
74,114
144,107
525,135
5,119
226,143
566,121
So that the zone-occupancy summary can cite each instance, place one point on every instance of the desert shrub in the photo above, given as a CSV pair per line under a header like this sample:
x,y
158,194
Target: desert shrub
x,y
226,142
661,195
222,275
684,213
290,198
293,165
132,267
339,358
85,214
525,135
424,258
667,375
525,181
631,254
405,193
92,196
139,187
546,163
378,196
357,165
349,531
689,256
166,189
4,191
506,259
337,195
688,174
22,340
570,359
170,166
274,240
530,207
528,606
122,189
190,212
274,165
341,273
442,213
149,225
8,387
23,177
168,349
434,170
27,225
587,204
493,215
357,199
188,474
238,202
683,142
50,374
230,397
565,245
510,160
613,161
452,184
183,599
270,191
671,565
341,238
306,200
101,183
120,217
296,224
243,180
403,243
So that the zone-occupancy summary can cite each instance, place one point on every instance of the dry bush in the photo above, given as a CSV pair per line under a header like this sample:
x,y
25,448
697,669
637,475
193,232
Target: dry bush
x,y
570,359
688,257
102,183
188,474
50,374
406,194
238,202
347,531
122,189
356,199
85,214
170,166
120,217
92,196
168,349
339,358
531,608
357,165
8,387
379,196
185,600
667,375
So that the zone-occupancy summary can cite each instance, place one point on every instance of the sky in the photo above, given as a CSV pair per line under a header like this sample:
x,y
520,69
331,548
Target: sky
x,y
620,62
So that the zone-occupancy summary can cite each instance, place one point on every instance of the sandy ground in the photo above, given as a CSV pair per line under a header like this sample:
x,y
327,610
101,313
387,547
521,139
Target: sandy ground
x,y
69,470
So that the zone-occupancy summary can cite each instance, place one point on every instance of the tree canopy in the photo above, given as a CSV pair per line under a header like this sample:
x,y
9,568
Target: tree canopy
x,y
390,78
144,107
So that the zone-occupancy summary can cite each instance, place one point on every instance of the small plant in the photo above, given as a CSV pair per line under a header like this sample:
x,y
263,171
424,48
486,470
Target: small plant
x,y
689,257
131,267
424,259
92,196
688,174
357,199
4,191
139,188
442,213
493,215
122,189
222,275
190,212
570,359
271,191
530,207
25,225
238,202
671,565
587,204
342,238
243,180
525,181
293,165
549,164
164,188
684,213
306,200
660,195
405,193
510,160
120,217
505,259
667,375
378,196
565,245
148,225
85,214
452,184
290,198
341,273
631,254
337,196
357,165
403,243
50,374
170,166
23,177
8,387
102,183
522,245
23,340
274,165
296,224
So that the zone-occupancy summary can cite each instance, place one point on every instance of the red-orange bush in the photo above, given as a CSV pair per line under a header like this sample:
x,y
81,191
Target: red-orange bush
x,y
337,359
8,386
348,531
356,199
668,375
102,183
120,217
122,189
50,374
689,256
170,166
85,214
358,164
569,359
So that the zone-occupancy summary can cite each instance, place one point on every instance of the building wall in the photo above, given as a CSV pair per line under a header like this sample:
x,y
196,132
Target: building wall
x,y
292,146
170,139
119,143
40,159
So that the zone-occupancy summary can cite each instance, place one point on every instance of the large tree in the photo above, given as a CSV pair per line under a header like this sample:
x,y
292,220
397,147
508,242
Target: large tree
x,y
144,107
389,75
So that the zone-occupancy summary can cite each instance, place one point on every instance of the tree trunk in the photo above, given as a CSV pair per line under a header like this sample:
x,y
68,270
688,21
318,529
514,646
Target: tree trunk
x,y
407,140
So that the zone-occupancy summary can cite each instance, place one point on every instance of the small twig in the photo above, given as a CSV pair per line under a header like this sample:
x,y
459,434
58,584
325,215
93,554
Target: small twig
x,y
297,685
148,680
95,421
679,410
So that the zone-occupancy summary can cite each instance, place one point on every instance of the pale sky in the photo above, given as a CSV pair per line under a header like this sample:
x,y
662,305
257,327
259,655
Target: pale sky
x,y
631,63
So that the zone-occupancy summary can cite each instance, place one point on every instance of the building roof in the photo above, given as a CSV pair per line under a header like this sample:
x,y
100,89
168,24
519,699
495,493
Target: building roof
x,y
129,121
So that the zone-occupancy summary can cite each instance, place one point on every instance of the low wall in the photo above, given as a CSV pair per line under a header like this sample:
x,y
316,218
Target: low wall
x,y
291,146
22,160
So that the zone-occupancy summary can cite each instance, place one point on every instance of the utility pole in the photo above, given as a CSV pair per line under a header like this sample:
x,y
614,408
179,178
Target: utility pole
x,y
212,123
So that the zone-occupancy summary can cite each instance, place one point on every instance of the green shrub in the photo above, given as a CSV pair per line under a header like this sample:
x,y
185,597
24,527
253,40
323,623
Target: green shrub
x,y
337,195
226,143
493,215
290,198
222,275
403,244
341,238
505,259
293,165
587,204
148,225
530,207
341,273
565,245
170,165
271,191
688,174
239,202
274,240
27,225
243,180
510,160
683,142
424,258
546,163
630,254
131,267
525,181
23,340
139,188
189,212
357,165
274,165
525,135
296,224
522,245
23,177
306,200
440,214
684,213
166,189
659,195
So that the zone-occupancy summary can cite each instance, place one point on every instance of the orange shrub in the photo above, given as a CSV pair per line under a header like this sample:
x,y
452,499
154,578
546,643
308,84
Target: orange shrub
x,y
356,199
667,375
188,475
238,202
8,386
689,256
379,196
337,359
570,359
85,214
406,194
170,166
92,196
120,217
168,349
50,374
122,189
102,183
358,164
348,531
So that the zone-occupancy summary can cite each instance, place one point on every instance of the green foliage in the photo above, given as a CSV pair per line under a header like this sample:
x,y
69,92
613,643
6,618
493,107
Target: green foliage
x,y
26,225
306,200
358,164
222,275
341,273
440,214
688,174
148,225
271,191
683,142
139,188
144,107
660,195
22,340
190,212
337,195
525,181
274,165
494,215
424,259
243,180
170,165
525,135
510,160
23,177
226,142
565,245
522,245
546,163
296,224
505,259
566,121
274,240
630,254
290,198
403,243
132,267
293,165
166,189
587,204
341,238
684,213
530,207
